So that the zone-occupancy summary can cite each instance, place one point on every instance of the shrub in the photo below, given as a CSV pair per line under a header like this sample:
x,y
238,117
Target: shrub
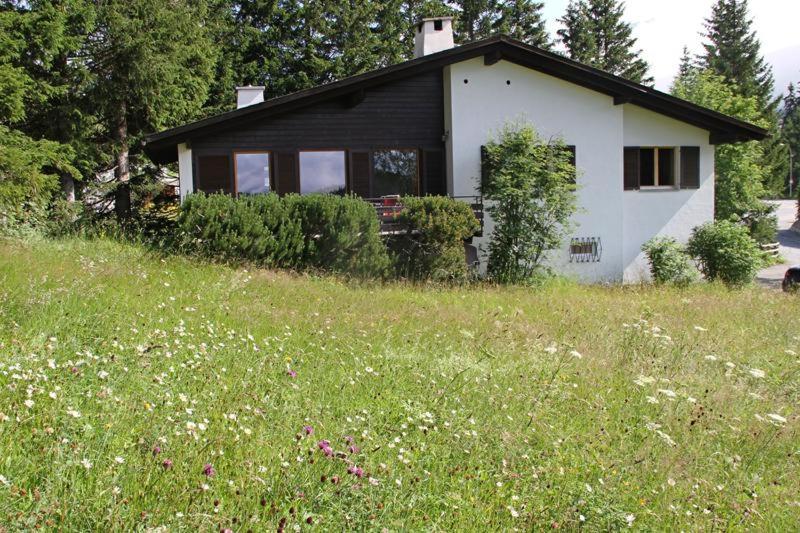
x,y
530,183
726,252
333,233
762,223
254,228
669,262
342,234
432,246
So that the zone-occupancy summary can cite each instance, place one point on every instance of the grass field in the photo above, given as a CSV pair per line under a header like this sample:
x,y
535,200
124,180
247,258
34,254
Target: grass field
x,y
141,392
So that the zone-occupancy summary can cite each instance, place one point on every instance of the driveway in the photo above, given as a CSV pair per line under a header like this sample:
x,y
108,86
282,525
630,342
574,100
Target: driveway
x,y
790,244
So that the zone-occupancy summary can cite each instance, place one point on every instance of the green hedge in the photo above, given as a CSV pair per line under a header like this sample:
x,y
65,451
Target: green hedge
x,y
432,243
333,233
669,262
725,251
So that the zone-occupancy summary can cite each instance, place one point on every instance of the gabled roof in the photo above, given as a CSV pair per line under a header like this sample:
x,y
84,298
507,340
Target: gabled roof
x,y
162,147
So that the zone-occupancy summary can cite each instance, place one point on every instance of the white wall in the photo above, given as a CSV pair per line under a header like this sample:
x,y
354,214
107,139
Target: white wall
x,y
587,119
185,182
674,212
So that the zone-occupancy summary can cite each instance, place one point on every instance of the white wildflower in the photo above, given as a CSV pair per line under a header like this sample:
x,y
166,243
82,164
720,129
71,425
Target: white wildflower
x,y
731,365
29,403
551,349
757,373
73,413
514,513
576,354
119,460
711,358
3,481
86,463
700,328
777,418
644,380
668,393
629,519
102,374
652,399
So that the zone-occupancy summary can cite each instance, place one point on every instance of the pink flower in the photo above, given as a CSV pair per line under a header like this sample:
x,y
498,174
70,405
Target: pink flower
x,y
308,430
356,471
208,470
354,449
327,451
348,439
156,450
324,444
291,373
167,464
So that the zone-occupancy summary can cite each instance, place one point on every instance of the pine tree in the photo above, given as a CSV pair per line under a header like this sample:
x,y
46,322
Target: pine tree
x,y
790,131
595,34
733,51
151,63
523,20
687,65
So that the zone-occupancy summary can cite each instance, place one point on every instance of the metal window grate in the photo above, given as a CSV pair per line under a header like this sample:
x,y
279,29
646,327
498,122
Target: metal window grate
x,y
585,250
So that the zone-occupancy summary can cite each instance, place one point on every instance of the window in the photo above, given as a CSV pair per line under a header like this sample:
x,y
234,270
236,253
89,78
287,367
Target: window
x,y
214,174
323,172
649,167
437,25
252,172
394,172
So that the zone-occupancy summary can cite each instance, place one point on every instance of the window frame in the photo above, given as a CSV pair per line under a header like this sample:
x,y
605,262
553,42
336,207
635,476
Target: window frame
x,y
416,182
236,169
344,151
657,186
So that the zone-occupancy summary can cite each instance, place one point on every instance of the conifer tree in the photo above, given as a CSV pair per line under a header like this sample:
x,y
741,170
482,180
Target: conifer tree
x,y
523,20
595,34
790,130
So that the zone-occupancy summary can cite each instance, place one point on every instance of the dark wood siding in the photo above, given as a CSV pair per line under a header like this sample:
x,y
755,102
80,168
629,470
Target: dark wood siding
x,y
360,182
286,178
214,174
401,114
406,113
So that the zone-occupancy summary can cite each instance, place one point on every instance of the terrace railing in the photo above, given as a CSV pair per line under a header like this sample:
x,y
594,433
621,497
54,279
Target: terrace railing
x,y
388,209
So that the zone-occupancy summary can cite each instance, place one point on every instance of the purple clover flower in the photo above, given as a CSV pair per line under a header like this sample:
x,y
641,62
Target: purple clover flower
x,y
308,430
166,464
208,470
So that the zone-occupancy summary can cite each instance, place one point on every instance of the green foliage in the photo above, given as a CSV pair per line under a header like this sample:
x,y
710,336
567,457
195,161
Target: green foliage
x,y
790,134
530,184
325,232
738,166
726,252
762,224
433,246
29,169
342,234
669,262
594,33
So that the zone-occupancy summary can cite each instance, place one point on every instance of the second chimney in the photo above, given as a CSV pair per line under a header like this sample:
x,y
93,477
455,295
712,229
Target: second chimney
x,y
433,35
252,94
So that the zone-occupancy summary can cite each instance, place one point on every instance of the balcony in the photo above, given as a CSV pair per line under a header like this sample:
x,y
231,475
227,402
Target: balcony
x,y
388,208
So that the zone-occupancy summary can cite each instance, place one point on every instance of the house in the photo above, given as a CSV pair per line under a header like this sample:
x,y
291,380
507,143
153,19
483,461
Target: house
x,y
645,158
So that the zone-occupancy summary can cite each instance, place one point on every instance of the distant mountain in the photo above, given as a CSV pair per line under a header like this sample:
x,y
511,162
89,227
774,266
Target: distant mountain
x,y
786,67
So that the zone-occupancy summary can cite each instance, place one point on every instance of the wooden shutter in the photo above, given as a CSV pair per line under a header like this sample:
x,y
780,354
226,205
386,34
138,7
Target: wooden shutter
x,y
214,174
286,180
434,178
359,174
484,167
631,164
690,167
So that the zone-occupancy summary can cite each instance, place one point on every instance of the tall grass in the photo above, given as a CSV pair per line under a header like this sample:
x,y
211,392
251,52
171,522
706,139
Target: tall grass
x,y
127,378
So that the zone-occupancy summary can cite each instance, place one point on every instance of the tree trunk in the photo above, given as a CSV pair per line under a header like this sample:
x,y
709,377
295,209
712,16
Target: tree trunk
x,y
68,188
122,175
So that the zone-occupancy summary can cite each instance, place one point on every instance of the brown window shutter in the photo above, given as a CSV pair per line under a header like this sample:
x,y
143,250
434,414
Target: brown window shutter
x,y
690,167
286,180
484,166
434,181
360,174
214,174
631,164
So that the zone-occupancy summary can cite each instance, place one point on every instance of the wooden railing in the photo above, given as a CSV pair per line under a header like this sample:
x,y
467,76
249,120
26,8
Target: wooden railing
x,y
388,208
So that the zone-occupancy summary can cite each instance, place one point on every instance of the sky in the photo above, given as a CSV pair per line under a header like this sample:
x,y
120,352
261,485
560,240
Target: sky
x,y
664,27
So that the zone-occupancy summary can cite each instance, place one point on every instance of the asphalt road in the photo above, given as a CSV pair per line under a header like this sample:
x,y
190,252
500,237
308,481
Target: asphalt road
x,y
790,244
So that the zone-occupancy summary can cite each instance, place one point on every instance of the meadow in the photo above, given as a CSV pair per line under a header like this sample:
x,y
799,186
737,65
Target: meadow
x,y
157,393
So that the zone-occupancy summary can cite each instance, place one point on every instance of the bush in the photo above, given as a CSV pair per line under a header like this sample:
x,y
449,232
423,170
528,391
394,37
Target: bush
x,y
669,262
762,223
530,183
726,252
342,234
432,246
333,233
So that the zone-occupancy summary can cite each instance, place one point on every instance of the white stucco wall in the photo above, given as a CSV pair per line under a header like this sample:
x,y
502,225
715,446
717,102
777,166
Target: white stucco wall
x,y
623,220
185,182
584,118
675,212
